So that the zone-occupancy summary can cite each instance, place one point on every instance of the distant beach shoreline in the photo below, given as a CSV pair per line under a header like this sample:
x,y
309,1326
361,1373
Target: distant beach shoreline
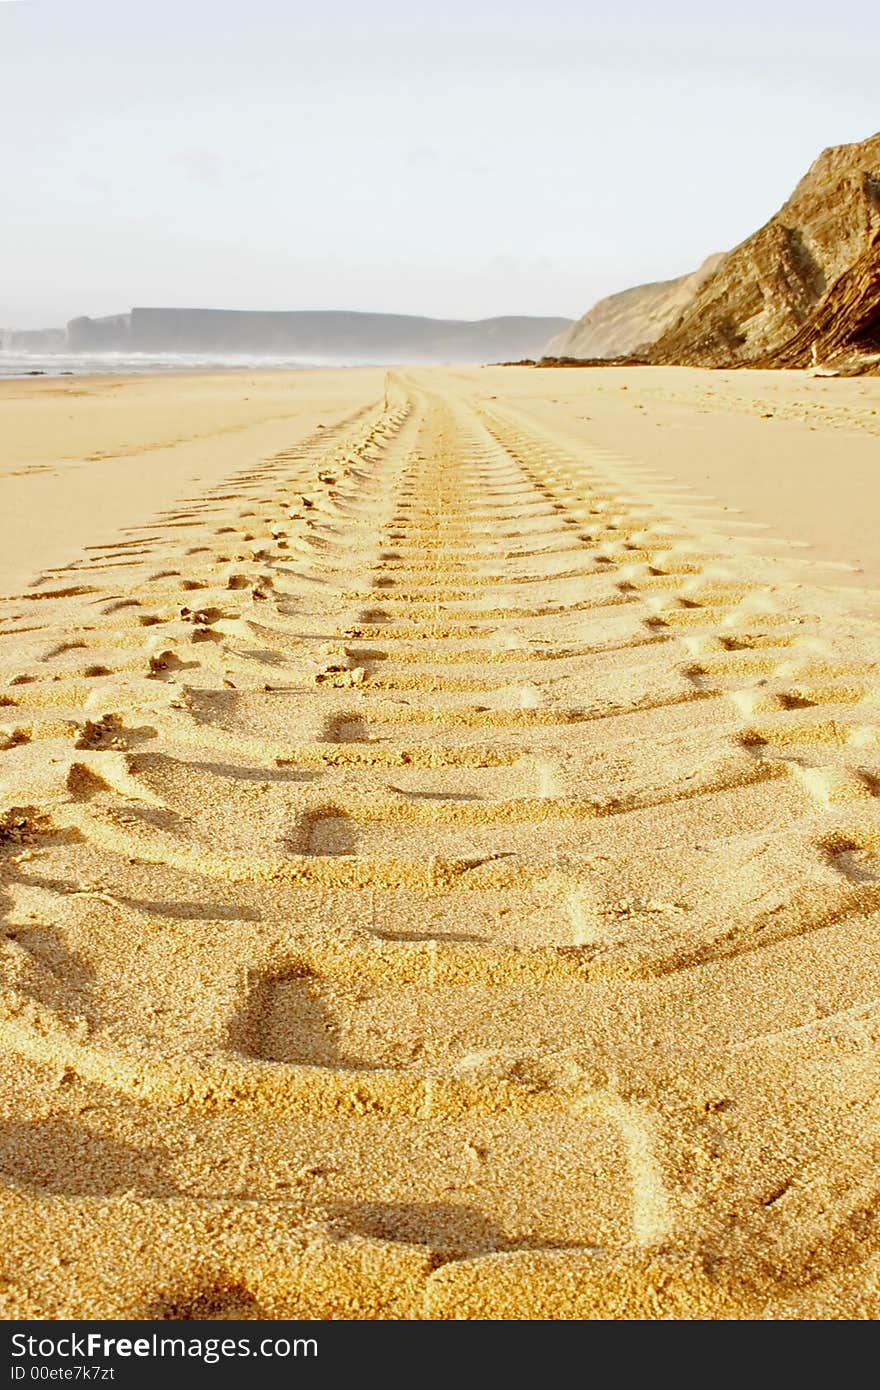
x,y
24,365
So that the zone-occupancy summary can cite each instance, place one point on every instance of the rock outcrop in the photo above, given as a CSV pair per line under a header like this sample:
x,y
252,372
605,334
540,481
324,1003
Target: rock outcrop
x,y
622,322
844,327
783,284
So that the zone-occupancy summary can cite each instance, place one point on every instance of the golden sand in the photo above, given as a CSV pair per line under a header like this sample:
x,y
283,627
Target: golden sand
x,y
439,851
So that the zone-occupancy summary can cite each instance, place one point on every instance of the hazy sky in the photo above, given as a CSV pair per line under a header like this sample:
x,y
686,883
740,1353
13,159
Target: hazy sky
x,y
462,158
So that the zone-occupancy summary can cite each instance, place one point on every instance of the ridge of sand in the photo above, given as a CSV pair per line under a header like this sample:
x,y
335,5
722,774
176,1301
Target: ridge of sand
x,y
84,457
440,876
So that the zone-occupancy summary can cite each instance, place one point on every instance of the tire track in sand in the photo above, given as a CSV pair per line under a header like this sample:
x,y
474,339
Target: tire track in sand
x,y
402,844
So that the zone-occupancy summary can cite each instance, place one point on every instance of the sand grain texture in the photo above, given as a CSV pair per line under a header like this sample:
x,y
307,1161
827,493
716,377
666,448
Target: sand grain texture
x,y
440,878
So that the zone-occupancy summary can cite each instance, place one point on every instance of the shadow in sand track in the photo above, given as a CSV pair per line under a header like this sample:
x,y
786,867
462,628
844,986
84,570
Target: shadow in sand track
x,y
284,1019
220,1300
212,706
59,978
70,980
195,911
431,934
60,1156
443,1226
326,831
110,732
230,771
452,1230
345,728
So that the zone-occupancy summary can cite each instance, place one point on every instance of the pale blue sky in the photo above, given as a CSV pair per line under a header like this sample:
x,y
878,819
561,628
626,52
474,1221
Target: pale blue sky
x,y
460,160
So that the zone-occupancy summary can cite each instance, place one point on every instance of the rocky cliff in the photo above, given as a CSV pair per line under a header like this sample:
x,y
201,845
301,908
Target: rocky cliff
x,y
111,334
32,340
632,318
317,336
844,327
772,286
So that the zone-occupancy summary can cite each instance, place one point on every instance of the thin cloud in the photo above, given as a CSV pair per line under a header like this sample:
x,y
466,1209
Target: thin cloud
x,y
200,166
423,154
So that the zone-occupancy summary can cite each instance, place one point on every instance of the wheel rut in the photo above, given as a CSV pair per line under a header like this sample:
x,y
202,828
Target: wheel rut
x,y
380,806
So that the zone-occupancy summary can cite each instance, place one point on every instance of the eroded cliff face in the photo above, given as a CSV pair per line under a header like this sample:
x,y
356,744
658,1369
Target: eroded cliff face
x,y
844,328
622,322
769,288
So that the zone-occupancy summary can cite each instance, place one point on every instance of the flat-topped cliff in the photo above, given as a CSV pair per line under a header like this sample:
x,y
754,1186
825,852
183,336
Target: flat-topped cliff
x,y
316,335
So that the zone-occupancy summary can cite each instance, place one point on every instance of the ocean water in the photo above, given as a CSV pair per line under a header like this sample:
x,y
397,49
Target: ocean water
x,y
23,364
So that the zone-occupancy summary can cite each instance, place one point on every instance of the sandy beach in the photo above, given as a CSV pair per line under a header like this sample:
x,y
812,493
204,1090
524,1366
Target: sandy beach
x,y
440,845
